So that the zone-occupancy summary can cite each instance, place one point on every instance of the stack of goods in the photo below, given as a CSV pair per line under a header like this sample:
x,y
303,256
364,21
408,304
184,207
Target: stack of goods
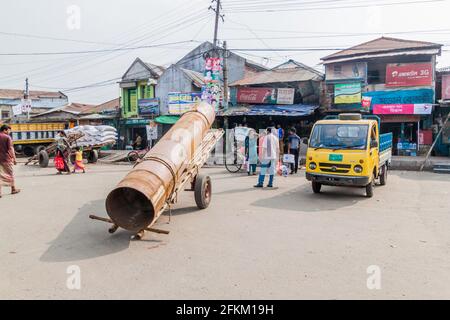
x,y
94,135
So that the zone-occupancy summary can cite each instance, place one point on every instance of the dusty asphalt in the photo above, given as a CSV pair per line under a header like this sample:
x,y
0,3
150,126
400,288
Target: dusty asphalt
x,y
249,244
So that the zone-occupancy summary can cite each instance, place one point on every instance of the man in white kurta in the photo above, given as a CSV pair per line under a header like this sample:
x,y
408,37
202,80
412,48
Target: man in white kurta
x,y
269,157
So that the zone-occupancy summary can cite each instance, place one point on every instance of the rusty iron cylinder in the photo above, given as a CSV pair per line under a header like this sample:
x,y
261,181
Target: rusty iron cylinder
x,y
136,202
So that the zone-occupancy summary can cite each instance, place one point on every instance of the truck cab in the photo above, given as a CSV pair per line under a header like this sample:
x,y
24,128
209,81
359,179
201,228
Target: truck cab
x,y
348,151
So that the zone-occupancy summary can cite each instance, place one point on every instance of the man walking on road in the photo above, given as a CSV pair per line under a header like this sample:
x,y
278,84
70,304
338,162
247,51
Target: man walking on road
x,y
269,157
281,138
294,148
7,160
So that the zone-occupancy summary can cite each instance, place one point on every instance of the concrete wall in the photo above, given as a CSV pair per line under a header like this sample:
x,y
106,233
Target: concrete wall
x,y
137,71
195,61
172,80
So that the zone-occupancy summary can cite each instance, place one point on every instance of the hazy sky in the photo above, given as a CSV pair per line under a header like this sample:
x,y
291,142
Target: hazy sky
x,y
25,26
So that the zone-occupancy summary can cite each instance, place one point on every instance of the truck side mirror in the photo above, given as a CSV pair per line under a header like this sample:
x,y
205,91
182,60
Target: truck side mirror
x,y
373,144
306,141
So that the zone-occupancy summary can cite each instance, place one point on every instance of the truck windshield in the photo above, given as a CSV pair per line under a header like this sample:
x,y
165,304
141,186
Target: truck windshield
x,y
339,136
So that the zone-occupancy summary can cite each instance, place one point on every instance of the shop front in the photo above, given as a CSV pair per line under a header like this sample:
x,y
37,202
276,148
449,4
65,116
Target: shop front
x,y
130,129
409,124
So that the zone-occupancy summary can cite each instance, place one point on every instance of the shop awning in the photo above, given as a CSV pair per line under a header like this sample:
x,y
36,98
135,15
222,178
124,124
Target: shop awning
x,y
294,110
167,119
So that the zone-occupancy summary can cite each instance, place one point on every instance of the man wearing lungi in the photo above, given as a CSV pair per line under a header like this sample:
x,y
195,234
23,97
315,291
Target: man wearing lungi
x,y
7,160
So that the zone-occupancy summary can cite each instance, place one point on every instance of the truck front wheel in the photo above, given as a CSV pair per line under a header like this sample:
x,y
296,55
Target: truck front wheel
x,y
370,187
383,176
316,187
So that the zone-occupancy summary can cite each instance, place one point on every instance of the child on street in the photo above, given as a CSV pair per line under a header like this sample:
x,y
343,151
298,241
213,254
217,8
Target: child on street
x,y
79,165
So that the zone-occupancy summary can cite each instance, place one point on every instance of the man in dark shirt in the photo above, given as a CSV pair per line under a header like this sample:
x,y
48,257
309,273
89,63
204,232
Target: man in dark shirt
x,y
7,160
294,148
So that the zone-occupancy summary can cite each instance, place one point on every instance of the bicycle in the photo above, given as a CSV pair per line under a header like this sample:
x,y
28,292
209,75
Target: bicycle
x,y
238,157
136,155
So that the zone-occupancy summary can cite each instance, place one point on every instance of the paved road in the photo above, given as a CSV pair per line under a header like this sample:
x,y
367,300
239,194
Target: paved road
x,y
262,244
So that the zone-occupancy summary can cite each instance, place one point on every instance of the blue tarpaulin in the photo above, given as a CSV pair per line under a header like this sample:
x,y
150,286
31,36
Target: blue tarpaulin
x,y
294,110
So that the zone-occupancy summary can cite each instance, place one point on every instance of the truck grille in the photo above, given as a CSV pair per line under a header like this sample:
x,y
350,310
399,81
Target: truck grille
x,y
334,167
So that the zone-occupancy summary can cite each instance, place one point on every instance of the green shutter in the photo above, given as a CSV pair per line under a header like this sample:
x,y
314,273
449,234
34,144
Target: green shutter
x,y
125,104
133,101
149,92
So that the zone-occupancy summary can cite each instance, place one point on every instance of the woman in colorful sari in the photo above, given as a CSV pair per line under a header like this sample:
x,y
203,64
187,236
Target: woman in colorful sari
x,y
7,160
62,154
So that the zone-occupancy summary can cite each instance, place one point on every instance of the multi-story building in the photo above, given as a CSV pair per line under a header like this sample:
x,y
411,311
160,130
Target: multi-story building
x,y
41,101
391,78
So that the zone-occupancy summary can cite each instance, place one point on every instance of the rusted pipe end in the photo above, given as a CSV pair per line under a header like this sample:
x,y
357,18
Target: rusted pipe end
x,y
130,209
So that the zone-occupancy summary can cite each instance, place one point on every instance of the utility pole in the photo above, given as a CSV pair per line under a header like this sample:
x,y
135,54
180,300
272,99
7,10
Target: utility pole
x,y
218,15
26,96
225,75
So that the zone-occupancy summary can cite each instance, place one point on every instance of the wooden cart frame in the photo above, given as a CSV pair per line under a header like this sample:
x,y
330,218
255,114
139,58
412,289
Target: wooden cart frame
x,y
199,183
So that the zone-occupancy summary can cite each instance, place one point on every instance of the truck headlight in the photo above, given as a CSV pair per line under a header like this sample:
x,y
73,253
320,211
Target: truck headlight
x,y
313,166
358,169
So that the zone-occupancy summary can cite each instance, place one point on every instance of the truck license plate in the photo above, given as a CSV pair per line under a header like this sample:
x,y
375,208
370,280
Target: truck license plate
x,y
335,157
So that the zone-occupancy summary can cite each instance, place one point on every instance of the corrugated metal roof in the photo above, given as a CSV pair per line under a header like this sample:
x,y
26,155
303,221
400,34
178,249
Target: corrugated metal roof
x,y
281,76
18,94
154,68
255,65
73,108
195,76
380,45
112,105
384,55
97,116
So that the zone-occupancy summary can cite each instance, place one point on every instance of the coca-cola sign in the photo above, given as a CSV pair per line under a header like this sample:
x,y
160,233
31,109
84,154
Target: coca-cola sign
x,y
409,74
257,95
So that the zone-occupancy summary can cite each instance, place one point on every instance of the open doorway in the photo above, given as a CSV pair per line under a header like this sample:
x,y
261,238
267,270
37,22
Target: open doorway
x,y
405,137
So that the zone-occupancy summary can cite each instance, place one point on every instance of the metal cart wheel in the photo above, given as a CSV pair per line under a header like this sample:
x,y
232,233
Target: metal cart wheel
x,y
72,158
43,159
133,156
93,156
202,191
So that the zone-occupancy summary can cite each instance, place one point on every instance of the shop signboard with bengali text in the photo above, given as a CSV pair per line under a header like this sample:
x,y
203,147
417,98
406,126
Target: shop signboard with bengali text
x,y
148,106
347,93
285,95
409,74
417,109
180,103
415,96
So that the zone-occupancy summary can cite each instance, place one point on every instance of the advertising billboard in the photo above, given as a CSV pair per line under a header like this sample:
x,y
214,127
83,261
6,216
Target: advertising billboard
x,y
346,71
409,74
257,95
180,103
148,106
419,109
347,93
266,95
415,96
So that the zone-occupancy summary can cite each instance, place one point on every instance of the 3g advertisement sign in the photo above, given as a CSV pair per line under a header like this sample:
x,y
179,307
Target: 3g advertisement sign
x,y
409,75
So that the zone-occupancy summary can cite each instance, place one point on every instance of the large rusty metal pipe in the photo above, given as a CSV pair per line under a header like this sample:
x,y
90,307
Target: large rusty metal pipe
x,y
136,202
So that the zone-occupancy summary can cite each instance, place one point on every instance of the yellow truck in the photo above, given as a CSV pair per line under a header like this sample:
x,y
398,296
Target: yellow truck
x,y
348,150
31,138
